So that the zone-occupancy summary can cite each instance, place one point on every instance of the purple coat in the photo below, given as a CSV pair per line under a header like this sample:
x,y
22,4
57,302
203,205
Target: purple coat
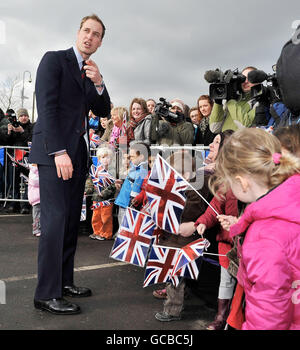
x,y
270,259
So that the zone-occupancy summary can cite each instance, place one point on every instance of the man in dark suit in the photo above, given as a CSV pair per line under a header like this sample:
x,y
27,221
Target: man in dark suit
x,y
68,85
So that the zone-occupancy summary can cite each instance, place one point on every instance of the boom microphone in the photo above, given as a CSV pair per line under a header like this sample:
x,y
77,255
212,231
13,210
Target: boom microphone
x,y
257,76
212,76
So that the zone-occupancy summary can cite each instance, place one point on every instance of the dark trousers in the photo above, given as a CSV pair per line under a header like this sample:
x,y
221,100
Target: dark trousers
x,y
61,203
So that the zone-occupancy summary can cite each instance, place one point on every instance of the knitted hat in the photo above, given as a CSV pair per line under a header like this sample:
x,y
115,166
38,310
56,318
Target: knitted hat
x,y
178,104
22,111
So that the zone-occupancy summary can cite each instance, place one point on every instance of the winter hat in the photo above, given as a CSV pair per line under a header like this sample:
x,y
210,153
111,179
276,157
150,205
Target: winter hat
x,y
178,104
22,111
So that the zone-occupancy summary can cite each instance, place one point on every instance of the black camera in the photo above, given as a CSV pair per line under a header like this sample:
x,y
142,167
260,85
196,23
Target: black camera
x,y
224,85
162,109
13,120
270,92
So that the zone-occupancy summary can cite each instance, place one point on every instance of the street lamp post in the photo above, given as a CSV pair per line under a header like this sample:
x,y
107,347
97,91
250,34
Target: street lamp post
x,y
29,80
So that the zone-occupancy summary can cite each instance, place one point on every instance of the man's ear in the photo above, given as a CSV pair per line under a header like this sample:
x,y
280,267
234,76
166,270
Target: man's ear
x,y
243,182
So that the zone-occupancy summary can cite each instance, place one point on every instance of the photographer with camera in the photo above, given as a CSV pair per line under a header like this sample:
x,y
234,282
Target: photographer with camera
x,y
239,109
19,132
169,126
4,136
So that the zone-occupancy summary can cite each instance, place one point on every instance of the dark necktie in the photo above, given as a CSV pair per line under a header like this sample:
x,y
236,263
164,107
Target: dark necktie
x,y
83,71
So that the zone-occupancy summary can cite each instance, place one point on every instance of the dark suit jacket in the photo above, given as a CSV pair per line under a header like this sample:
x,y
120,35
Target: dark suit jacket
x,y
63,103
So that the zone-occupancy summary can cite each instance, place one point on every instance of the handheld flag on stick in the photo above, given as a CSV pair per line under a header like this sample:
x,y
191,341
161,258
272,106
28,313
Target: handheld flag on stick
x,y
165,192
83,209
190,253
134,238
101,178
94,140
160,265
124,125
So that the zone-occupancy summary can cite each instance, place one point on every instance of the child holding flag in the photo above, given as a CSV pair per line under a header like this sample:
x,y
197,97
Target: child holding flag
x,y
101,186
138,171
259,173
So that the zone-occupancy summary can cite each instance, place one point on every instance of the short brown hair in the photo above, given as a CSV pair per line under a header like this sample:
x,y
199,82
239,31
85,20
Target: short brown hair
x,y
95,18
249,67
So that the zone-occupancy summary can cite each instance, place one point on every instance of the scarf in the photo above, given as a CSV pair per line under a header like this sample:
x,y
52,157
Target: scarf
x,y
204,125
133,123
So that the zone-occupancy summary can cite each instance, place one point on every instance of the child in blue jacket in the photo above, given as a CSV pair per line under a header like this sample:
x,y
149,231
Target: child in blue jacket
x,y
131,187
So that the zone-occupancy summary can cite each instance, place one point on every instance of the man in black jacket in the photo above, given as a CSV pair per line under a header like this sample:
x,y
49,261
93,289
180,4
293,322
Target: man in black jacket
x,y
68,86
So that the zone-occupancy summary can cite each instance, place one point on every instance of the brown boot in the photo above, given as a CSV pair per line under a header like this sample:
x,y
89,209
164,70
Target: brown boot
x,y
221,317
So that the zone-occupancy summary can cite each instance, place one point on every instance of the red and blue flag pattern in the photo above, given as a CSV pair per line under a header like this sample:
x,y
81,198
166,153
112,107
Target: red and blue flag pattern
x,y
134,238
189,253
165,191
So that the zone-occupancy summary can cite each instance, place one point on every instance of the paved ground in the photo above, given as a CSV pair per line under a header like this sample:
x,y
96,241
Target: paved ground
x,y
119,301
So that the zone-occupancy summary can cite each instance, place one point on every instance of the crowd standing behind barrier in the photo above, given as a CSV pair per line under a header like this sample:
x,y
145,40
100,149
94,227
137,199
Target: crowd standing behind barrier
x,y
117,132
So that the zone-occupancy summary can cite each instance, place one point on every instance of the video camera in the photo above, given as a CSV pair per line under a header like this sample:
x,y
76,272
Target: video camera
x,y
271,92
224,86
163,110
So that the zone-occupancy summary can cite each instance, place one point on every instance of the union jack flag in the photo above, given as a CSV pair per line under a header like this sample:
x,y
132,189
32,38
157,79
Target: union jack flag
x,y
165,193
94,140
83,209
101,178
17,160
160,265
124,125
100,204
134,238
189,254
190,270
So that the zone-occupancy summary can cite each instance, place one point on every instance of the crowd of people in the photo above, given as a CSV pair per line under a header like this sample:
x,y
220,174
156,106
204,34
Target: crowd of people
x,y
248,173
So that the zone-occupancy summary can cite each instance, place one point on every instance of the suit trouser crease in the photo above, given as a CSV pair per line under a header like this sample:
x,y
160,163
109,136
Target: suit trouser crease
x,y
61,203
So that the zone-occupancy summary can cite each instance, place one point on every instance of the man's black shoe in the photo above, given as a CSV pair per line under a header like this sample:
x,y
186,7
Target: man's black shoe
x,y
57,306
76,292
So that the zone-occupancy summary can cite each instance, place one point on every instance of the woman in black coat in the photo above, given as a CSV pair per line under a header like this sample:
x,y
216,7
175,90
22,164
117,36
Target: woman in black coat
x,y
203,134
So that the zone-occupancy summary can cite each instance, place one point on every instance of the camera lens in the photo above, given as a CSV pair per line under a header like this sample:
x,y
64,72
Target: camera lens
x,y
220,91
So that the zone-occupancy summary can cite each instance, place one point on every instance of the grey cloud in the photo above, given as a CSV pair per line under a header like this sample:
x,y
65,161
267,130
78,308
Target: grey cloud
x,y
152,49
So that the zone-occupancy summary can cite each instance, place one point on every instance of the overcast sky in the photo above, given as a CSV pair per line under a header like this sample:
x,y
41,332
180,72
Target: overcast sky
x,y
151,48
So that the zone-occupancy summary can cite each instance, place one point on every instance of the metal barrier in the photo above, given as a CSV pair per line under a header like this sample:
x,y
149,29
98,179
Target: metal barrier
x,y
14,167
14,171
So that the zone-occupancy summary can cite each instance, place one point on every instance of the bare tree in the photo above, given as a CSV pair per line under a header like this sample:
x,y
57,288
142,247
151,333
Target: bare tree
x,y
8,93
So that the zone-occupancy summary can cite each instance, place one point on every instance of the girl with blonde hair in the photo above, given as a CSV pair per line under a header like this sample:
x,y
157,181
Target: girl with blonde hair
x,y
253,165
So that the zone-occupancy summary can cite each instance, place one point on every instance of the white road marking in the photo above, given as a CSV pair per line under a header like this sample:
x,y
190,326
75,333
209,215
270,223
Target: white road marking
x,y
77,269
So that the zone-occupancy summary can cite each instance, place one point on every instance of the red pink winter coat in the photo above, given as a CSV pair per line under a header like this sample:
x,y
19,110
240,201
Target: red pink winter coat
x,y
269,268
226,206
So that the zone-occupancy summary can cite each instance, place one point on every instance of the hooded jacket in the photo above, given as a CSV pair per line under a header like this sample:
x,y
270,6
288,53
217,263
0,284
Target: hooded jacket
x,y
132,184
269,268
